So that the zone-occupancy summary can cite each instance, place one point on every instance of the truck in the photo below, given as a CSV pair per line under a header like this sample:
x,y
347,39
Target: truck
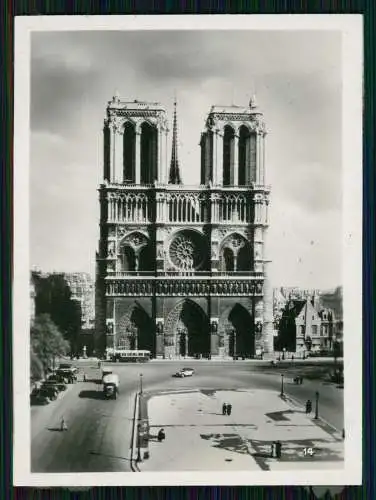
x,y
111,386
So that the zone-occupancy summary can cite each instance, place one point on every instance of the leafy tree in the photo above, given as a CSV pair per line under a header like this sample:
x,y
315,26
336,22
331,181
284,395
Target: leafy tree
x,y
36,367
46,341
53,297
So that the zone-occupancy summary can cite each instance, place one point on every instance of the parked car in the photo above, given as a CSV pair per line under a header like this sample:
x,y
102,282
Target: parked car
x,y
185,372
67,372
49,392
58,381
37,397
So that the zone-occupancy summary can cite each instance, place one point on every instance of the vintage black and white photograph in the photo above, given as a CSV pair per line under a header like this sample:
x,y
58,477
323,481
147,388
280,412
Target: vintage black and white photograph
x,y
188,298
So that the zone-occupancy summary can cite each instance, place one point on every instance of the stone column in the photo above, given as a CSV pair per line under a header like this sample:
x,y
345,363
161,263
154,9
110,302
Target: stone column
x,y
262,158
159,327
236,160
267,333
212,140
117,155
219,165
161,164
138,156
165,159
214,344
258,160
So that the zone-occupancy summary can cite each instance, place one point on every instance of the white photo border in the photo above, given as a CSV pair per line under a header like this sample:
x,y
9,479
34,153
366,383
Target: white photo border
x,y
351,27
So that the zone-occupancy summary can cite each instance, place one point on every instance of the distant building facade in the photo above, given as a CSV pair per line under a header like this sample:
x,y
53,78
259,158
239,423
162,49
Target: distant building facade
x,y
82,288
307,326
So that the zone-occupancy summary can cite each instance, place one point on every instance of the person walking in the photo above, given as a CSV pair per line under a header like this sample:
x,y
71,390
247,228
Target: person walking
x,y
63,425
308,406
161,435
224,409
229,409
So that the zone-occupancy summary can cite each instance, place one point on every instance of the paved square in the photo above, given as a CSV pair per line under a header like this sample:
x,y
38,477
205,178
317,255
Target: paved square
x,y
199,437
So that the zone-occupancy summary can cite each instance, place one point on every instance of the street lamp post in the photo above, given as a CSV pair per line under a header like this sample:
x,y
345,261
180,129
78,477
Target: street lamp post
x,y
140,383
139,443
317,405
282,387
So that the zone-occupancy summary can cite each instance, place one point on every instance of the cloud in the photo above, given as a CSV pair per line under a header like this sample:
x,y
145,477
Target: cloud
x,y
297,79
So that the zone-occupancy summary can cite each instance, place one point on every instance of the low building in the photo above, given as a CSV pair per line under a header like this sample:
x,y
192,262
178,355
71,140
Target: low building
x,y
305,327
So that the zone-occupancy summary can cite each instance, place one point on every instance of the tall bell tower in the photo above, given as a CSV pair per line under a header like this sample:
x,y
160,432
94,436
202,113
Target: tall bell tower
x,y
233,165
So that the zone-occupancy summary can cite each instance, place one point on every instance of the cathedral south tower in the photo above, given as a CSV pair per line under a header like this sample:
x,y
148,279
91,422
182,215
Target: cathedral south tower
x,y
182,270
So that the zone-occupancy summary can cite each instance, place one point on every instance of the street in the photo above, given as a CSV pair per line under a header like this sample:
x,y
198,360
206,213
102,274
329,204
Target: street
x,y
100,431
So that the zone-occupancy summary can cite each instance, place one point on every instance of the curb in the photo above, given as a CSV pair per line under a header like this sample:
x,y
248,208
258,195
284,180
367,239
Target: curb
x,y
134,465
298,403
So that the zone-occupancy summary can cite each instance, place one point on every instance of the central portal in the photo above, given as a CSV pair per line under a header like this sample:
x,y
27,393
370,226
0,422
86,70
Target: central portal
x,y
189,326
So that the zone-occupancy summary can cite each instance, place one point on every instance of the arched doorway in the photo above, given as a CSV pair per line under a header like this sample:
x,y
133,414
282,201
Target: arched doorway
x,y
189,326
239,331
136,330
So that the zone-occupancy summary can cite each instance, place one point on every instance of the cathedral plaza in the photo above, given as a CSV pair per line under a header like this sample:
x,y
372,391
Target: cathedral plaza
x,y
183,270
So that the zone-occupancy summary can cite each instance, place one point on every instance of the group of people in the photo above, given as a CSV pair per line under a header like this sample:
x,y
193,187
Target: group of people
x,y
226,409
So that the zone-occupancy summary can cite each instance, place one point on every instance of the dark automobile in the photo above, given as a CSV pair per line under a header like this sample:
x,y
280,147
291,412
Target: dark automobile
x,y
57,381
38,398
49,392
68,374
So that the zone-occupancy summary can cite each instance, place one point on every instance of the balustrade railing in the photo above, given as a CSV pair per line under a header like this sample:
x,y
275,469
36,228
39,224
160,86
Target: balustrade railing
x,y
197,274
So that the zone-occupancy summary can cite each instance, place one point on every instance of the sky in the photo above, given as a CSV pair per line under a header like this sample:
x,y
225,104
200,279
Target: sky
x,y
296,76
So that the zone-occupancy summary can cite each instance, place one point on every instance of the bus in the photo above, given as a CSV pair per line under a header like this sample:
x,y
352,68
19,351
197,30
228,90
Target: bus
x,y
128,356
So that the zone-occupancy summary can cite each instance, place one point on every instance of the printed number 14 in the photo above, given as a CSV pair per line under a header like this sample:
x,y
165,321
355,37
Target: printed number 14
x,y
308,451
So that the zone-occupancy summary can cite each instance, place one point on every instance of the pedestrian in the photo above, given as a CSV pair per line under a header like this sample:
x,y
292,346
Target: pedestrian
x,y
292,357
161,435
85,377
63,425
99,363
229,409
308,406
224,409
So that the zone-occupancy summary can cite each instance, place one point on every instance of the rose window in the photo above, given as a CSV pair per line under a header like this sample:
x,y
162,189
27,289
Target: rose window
x,y
185,251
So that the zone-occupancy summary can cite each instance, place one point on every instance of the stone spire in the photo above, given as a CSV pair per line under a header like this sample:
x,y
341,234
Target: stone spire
x,y
253,102
174,177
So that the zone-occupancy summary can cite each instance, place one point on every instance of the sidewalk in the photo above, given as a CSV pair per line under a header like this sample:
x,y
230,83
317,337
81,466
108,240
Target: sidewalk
x,y
199,437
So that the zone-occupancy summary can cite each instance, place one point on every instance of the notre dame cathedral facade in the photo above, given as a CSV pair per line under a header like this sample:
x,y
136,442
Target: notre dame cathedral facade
x,y
182,270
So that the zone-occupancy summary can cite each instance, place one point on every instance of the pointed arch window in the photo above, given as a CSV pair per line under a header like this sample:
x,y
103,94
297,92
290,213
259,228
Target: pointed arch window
x,y
252,157
129,175
244,156
149,153
228,156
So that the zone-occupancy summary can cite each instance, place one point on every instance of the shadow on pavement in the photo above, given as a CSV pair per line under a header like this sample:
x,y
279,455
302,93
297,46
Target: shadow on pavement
x,y
55,429
91,394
